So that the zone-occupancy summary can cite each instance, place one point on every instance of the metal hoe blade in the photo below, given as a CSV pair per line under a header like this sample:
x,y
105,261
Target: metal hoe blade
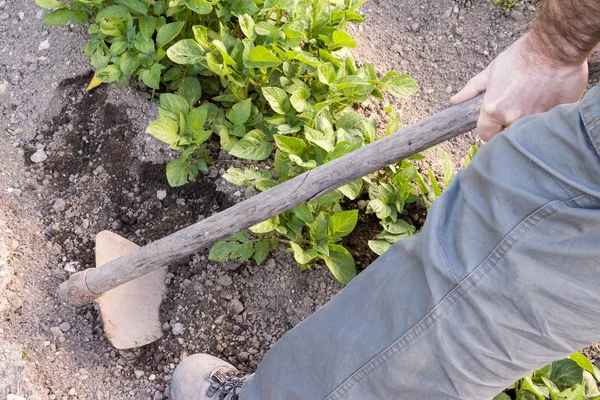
x,y
131,311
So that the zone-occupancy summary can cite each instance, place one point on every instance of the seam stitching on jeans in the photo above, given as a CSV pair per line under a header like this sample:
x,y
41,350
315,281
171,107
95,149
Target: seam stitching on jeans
x,y
563,187
496,255
447,261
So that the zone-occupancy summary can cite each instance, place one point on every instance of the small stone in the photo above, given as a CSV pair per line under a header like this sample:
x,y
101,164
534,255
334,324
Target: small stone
x,y
415,26
45,45
138,373
459,31
237,193
224,280
362,204
271,265
166,327
72,266
39,156
455,10
59,205
449,89
177,328
220,319
72,392
21,15
161,194
235,306
56,332
14,192
99,170
65,327
85,223
4,16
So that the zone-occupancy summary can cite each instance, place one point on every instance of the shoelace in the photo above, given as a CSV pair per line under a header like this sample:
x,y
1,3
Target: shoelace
x,y
226,384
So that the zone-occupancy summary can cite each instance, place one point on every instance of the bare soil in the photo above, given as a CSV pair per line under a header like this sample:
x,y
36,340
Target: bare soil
x,y
103,172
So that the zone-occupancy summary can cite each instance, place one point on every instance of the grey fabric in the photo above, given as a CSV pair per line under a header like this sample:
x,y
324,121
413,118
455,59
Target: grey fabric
x,y
502,280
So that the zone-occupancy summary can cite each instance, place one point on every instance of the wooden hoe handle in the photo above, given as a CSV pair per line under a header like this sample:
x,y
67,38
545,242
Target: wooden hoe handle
x,y
83,287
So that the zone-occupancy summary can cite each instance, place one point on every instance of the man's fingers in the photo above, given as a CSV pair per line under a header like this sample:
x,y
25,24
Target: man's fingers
x,y
487,129
474,87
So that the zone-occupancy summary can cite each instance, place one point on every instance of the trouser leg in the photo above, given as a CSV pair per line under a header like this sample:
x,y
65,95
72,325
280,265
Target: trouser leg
x,y
503,279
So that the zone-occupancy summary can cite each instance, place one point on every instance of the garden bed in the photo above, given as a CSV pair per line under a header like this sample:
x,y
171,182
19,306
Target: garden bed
x,y
103,172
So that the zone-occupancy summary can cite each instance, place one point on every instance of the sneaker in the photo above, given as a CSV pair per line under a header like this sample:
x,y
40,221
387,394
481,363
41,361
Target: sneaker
x,y
204,377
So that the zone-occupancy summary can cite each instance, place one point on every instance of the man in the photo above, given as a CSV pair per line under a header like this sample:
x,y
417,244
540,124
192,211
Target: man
x,y
504,277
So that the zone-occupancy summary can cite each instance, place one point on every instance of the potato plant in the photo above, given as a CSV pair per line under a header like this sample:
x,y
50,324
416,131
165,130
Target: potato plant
x,y
574,378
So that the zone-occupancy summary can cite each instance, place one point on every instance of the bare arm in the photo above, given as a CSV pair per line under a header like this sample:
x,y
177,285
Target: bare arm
x,y
543,69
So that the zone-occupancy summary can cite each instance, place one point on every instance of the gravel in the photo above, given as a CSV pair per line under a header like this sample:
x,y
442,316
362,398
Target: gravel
x,y
39,156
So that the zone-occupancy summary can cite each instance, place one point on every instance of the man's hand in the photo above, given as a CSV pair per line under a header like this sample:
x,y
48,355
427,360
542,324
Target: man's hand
x,y
522,81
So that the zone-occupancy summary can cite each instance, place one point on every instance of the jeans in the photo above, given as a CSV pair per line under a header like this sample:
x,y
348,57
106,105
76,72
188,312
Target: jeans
x,y
503,279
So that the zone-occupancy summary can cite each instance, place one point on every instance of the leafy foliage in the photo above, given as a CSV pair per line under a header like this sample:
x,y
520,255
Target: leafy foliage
x,y
574,378
506,5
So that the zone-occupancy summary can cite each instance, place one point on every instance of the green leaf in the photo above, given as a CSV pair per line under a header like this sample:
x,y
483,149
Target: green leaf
x,y
264,227
129,63
303,212
566,373
201,7
341,39
261,57
197,119
253,146
136,6
261,251
399,227
108,74
290,144
186,51
144,45
243,252
240,7
448,168
247,176
221,250
298,99
165,130
235,246
190,90
380,209
168,32
302,256
182,170
51,4
147,26
502,396
326,73
318,228
240,112
355,88
401,86
342,224
247,25
151,77
340,263
353,189
318,138
171,105
584,363
379,246
59,17
470,155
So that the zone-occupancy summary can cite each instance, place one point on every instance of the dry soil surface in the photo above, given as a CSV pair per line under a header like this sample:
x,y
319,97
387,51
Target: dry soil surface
x,y
74,163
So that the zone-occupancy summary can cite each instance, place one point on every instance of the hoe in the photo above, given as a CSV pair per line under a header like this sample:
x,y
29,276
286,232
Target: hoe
x,y
129,281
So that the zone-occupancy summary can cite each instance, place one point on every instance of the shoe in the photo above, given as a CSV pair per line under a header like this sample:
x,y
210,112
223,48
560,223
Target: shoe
x,y
204,377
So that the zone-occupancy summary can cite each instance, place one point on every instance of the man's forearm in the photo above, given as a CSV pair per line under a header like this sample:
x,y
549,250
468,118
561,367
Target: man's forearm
x,y
566,31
